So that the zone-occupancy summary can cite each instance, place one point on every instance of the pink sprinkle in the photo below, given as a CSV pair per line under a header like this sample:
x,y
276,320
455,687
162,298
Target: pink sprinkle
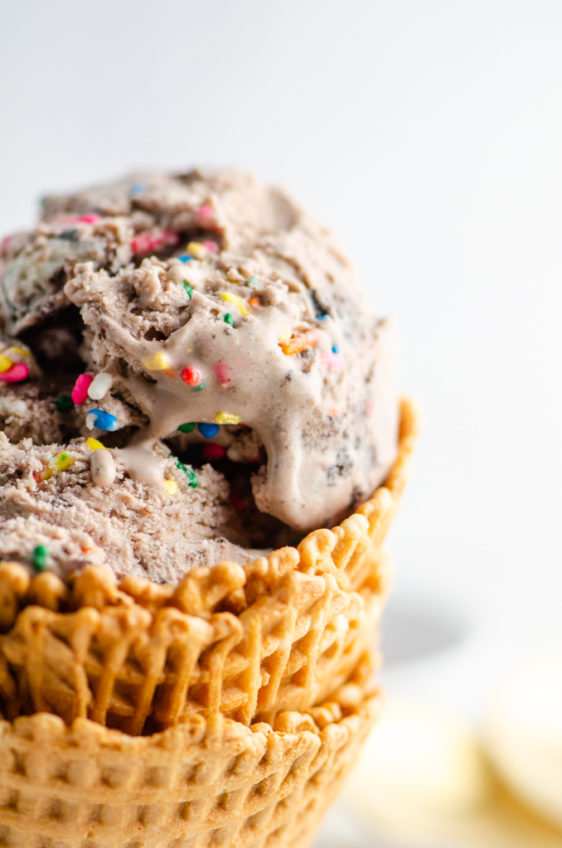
x,y
149,242
93,218
223,374
18,372
333,361
80,390
212,451
206,212
4,244
210,246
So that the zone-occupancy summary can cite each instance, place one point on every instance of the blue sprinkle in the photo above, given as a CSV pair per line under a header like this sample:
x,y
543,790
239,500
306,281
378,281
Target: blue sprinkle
x,y
103,420
335,349
138,188
323,317
184,257
208,430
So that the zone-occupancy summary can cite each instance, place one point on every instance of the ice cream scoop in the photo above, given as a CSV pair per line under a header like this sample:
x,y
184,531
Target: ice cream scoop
x,y
211,312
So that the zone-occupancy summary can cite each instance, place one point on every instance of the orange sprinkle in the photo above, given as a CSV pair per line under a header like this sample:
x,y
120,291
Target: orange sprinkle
x,y
298,343
170,372
254,301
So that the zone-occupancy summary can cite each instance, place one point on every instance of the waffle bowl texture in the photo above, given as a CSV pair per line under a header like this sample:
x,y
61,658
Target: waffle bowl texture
x,y
203,783
245,643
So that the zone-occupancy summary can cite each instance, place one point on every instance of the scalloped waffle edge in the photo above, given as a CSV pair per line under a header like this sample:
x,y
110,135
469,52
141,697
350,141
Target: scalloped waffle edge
x,y
201,784
245,642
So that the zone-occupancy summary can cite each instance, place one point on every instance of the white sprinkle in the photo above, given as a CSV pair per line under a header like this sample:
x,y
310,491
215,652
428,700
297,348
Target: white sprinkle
x,y
102,467
100,386
90,420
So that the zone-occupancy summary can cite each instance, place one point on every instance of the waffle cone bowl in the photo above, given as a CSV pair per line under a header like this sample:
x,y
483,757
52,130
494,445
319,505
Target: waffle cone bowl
x,y
202,783
223,711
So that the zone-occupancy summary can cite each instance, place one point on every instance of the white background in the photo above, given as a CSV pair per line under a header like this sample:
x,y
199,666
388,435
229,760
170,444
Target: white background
x,y
428,135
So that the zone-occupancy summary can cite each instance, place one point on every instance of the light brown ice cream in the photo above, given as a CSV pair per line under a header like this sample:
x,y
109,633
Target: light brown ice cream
x,y
194,300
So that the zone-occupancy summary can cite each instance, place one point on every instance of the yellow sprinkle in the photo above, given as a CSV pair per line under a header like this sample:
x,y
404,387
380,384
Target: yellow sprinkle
x,y
195,248
5,363
93,444
20,350
158,361
64,461
171,487
227,418
46,474
285,334
237,302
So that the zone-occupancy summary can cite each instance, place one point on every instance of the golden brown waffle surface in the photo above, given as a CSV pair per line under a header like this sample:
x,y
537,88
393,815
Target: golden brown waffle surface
x,y
200,784
244,642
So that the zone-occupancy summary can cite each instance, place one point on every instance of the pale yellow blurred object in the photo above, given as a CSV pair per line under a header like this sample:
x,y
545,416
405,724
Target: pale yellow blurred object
x,y
524,733
423,780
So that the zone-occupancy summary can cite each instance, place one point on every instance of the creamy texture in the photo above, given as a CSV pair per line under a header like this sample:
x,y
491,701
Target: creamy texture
x,y
50,496
203,300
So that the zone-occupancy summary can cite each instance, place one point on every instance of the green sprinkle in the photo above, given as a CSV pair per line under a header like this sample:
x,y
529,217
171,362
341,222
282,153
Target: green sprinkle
x,y
252,282
228,319
199,387
64,404
187,428
39,557
192,478
188,288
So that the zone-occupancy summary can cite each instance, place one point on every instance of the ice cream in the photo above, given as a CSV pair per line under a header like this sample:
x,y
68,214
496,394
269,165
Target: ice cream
x,y
211,336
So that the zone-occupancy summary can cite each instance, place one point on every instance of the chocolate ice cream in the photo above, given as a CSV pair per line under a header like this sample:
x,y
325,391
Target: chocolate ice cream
x,y
211,337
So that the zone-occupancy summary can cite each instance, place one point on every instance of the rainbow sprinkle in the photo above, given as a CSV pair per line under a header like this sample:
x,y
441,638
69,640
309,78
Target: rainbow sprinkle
x,y
223,375
226,418
100,386
213,451
228,319
63,461
170,487
207,429
189,289
298,343
196,249
136,189
5,363
80,390
64,404
159,361
191,375
192,478
94,444
188,427
102,420
206,213
237,302
146,243
15,374
39,557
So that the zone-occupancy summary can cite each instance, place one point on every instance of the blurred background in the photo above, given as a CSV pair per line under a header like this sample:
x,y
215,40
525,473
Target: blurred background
x,y
428,135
